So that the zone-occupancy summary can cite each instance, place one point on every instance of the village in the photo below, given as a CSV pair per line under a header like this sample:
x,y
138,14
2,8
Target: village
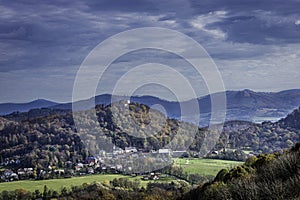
x,y
119,161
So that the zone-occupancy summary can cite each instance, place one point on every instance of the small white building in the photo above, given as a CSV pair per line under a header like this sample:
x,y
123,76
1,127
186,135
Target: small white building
x,y
215,152
90,170
21,171
119,167
164,151
118,151
127,103
130,150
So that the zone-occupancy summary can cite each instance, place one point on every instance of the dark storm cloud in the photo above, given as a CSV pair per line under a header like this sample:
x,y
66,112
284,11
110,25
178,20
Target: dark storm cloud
x,y
260,29
259,22
124,5
43,35
54,37
58,33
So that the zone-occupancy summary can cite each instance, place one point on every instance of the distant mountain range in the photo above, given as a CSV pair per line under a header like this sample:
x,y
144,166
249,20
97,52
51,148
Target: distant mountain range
x,y
243,105
7,108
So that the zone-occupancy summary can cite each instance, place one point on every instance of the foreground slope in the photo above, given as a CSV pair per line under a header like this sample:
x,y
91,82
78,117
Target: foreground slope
x,y
267,176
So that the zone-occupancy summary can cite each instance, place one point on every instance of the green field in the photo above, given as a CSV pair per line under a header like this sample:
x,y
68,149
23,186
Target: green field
x,y
57,184
200,166
204,166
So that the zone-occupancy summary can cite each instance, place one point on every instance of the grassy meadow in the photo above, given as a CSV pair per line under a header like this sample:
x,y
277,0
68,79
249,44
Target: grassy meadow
x,y
204,166
57,184
191,166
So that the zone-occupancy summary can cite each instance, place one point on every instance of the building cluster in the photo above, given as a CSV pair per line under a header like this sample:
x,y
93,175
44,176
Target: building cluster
x,y
117,161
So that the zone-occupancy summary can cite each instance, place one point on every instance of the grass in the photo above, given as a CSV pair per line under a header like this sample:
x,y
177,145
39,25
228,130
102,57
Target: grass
x,y
191,166
57,184
247,151
204,166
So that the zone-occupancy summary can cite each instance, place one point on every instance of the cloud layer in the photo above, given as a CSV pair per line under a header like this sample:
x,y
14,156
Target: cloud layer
x,y
256,44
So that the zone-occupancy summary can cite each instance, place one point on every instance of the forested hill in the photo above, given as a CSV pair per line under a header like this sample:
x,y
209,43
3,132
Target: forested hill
x,y
292,120
40,142
52,139
262,138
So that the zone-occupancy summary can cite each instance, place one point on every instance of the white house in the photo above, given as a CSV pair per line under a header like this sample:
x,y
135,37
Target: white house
x,y
130,150
164,151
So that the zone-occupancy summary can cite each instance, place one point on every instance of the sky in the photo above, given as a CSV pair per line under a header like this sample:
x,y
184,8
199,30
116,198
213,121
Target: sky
x,y
255,44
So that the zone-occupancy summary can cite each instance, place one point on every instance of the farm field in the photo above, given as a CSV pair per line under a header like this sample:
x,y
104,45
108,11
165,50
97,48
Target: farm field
x,y
204,166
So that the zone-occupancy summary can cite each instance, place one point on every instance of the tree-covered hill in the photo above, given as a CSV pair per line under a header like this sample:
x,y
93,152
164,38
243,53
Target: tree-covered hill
x,y
40,142
267,176
53,139
262,138
292,120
